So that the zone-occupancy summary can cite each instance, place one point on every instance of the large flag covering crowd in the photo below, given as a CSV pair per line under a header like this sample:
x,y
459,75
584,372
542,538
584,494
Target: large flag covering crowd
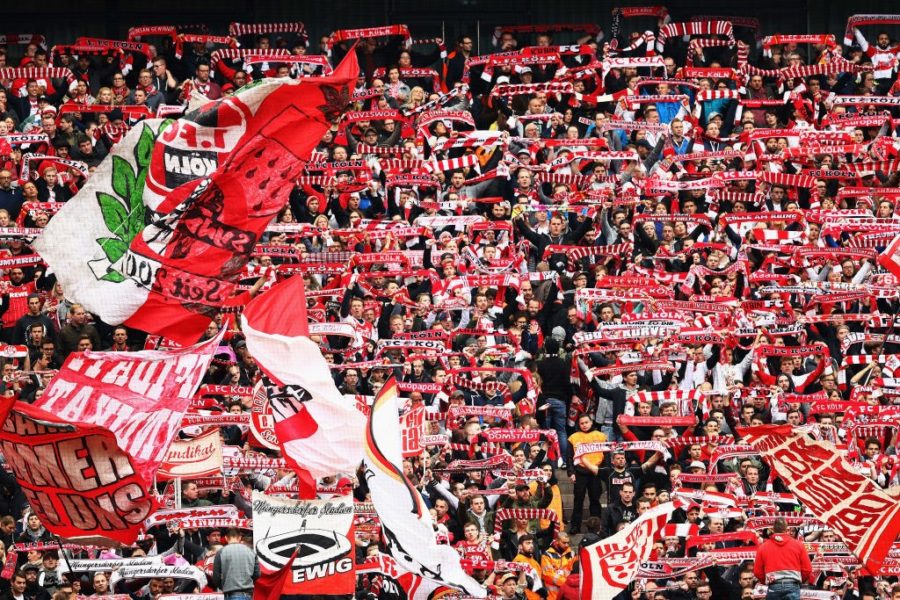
x,y
377,316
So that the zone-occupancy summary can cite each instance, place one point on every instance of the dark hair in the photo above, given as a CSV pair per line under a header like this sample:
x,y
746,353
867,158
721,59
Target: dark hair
x,y
551,346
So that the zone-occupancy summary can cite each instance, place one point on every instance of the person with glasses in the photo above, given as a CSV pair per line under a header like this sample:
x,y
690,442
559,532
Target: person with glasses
x,y
201,83
120,90
162,79
456,61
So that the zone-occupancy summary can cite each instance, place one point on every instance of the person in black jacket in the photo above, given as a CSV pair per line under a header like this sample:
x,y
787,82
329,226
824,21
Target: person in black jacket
x,y
456,61
557,391
557,236
621,510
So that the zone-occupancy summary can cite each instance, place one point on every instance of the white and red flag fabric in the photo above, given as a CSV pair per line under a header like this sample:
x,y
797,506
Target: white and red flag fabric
x,y
406,524
608,566
158,237
890,258
864,516
320,432
200,456
86,452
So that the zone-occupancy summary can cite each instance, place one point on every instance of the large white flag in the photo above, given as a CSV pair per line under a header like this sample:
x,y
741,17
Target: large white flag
x,y
608,566
405,521
320,431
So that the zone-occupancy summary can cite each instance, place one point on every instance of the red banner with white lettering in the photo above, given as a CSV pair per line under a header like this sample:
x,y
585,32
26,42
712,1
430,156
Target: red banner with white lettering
x,y
865,517
411,424
87,451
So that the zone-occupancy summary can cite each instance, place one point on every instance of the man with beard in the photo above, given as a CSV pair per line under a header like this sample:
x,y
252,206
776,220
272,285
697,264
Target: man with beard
x,y
33,589
526,556
882,55
14,304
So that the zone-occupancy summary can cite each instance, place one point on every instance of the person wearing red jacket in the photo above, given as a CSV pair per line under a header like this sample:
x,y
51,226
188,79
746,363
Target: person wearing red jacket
x,y
783,564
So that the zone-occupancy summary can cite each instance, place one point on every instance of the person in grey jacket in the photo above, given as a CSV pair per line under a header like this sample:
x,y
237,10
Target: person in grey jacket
x,y
235,568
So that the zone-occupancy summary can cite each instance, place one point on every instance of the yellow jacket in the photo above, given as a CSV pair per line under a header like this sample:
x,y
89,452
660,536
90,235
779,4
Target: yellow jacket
x,y
555,569
591,437
521,558
556,505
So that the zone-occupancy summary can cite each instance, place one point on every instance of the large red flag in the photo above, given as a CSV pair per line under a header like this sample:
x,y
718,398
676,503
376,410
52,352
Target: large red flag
x,y
320,431
865,517
87,451
215,178
890,258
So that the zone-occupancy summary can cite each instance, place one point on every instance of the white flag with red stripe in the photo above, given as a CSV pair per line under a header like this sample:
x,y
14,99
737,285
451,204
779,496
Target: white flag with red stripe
x,y
890,258
319,431
608,566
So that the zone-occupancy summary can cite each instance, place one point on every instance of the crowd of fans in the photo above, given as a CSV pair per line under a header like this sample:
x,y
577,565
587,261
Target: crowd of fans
x,y
566,240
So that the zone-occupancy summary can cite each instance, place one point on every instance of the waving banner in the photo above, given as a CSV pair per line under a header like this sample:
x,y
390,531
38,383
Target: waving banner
x,y
87,451
208,185
305,547
405,522
608,566
320,431
865,517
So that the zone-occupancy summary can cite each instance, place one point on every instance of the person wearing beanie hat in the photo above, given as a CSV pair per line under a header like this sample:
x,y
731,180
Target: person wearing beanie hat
x,y
558,333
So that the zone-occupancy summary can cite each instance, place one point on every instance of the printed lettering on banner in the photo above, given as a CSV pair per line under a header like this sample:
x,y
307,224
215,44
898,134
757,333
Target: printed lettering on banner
x,y
411,428
75,477
865,517
87,451
197,457
312,539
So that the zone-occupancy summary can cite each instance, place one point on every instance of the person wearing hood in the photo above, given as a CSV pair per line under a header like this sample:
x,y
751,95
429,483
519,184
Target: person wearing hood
x,y
782,564
571,589
33,590
556,564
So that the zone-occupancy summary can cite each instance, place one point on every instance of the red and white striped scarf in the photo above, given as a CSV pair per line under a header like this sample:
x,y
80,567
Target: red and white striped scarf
x,y
693,28
297,27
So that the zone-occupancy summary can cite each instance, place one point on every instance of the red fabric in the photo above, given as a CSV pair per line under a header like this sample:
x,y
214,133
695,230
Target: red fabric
x,y
268,586
265,312
570,589
199,263
18,302
782,553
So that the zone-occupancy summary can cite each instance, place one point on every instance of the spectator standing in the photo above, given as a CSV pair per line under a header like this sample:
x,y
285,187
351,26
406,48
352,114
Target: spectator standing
x,y
235,568
783,564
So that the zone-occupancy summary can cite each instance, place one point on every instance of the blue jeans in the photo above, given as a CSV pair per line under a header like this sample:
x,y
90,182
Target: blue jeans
x,y
556,420
238,596
783,591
